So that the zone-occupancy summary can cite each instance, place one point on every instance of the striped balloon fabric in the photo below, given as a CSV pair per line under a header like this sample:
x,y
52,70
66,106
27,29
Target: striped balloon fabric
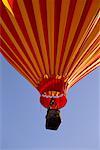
x,y
56,39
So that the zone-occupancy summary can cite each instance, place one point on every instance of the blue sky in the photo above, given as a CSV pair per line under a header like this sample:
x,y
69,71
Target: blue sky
x,y
22,118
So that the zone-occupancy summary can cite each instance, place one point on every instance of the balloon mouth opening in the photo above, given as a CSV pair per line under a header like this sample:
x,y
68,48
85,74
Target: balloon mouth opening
x,y
53,88
53,119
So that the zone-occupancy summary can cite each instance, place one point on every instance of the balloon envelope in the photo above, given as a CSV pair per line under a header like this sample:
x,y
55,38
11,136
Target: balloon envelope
x,y
51,40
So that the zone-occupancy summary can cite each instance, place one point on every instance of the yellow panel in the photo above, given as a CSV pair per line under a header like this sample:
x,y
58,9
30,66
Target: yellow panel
x,y
63,19
50,23
36,8
8,6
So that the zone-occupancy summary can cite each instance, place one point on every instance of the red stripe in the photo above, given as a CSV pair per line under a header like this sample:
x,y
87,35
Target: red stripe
x,y
1,5
57,11
43,11
14,58
83,17
0,50
67,28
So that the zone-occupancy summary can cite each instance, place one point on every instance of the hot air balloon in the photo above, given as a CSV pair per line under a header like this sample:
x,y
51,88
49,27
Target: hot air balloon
x,y
53,44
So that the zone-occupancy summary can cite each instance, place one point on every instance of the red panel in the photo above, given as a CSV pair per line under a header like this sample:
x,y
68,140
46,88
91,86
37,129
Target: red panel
x,y
45,28
57,11
11,3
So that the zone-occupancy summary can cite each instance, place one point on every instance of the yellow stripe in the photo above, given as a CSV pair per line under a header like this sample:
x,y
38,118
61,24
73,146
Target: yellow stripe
x,y
50,23
8,6
28,26
63,19
75,21
37,13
